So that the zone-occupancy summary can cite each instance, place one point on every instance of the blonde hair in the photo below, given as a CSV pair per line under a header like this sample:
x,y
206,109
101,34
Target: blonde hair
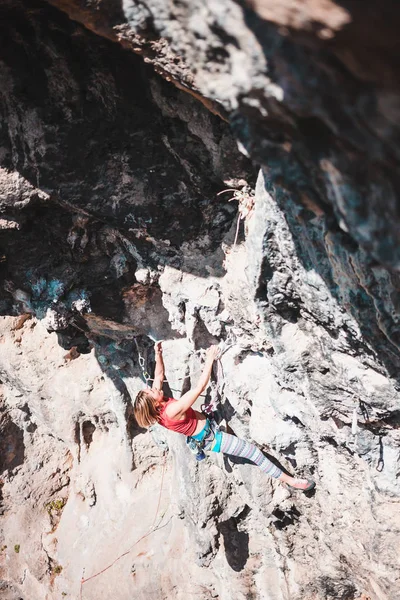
x,y
145,412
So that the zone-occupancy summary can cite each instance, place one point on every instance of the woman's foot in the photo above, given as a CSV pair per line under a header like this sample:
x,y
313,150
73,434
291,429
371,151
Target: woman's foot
x,y
305,485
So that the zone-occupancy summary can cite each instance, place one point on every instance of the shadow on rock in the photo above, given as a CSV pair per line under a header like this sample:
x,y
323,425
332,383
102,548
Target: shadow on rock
x,y
283,518
12,448
236,544
328,186
136,189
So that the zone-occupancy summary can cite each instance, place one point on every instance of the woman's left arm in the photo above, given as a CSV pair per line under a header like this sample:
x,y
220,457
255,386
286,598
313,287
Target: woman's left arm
x,y
179,407
159,371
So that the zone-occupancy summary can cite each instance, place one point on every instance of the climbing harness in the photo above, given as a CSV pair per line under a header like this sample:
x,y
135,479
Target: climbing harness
x,y
197,446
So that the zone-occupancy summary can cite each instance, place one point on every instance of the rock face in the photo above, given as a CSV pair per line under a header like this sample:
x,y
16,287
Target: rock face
x,y
112,235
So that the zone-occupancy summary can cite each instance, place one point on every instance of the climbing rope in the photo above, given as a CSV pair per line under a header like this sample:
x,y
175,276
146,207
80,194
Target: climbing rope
x,y
151,530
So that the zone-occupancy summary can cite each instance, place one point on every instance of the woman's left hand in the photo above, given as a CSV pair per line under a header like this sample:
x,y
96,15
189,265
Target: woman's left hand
x,y
212,353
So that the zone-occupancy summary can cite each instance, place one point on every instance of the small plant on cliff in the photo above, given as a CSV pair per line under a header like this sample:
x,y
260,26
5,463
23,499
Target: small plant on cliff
x,y
54,509
57,569
17,548
55,506
245,198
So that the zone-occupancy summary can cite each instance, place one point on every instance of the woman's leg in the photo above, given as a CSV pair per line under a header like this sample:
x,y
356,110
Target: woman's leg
x,y
237,447
229,444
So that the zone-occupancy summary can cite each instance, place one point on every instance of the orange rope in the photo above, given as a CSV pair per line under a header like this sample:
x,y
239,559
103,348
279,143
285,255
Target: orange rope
x,y
150,530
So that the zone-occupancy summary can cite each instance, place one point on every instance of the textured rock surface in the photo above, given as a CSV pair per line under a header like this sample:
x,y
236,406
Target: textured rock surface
x,y
111,231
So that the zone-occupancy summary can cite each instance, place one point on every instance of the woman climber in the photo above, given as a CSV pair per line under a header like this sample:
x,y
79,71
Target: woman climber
x,y
151,407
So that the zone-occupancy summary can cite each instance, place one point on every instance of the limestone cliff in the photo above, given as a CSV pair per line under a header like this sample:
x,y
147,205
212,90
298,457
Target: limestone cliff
x,y
120,124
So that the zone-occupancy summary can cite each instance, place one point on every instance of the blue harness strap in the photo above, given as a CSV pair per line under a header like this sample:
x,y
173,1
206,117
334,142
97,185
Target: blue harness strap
x,y
199,437
216,447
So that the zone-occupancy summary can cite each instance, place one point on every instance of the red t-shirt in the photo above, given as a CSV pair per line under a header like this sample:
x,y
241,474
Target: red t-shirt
x,y
187,426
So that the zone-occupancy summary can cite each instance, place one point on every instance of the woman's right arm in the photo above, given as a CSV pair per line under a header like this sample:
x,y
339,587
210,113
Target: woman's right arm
x,y
178,408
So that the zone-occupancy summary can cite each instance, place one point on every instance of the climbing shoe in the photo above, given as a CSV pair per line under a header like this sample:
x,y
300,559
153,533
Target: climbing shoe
x,y
310,485
195,449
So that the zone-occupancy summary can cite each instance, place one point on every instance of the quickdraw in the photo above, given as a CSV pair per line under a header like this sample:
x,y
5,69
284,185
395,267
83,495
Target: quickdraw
x,y
142,364
381,462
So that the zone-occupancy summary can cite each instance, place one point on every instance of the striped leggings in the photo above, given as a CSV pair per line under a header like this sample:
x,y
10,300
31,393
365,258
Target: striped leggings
x,y
229,444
